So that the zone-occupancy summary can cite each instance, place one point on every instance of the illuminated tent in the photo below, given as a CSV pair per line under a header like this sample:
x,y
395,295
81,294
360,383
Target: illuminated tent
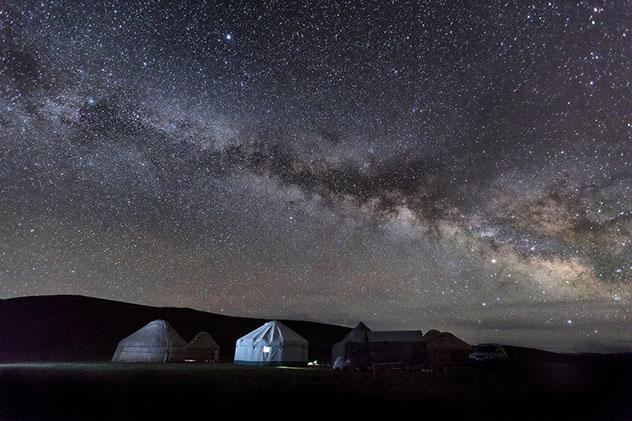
x,y
202,348
271,344
156,342
363,347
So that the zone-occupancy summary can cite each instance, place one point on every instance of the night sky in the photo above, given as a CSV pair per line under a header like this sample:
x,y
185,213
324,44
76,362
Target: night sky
x,y
421,165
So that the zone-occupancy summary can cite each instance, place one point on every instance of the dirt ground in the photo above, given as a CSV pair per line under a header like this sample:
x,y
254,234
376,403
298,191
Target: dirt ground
x,y
599,388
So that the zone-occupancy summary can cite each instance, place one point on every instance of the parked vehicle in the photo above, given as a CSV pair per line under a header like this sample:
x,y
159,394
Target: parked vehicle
x,y
488,353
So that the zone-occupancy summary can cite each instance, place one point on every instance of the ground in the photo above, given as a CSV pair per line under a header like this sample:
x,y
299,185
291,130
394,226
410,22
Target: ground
x,y
598,388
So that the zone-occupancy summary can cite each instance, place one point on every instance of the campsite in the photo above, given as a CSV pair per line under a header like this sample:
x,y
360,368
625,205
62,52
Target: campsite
x,y
334,209
79,376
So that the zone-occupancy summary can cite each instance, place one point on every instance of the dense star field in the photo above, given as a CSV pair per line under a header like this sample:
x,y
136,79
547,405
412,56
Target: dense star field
x,y
429,164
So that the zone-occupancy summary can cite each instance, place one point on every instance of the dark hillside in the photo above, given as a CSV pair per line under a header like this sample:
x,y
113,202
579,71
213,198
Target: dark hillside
x,y
77,328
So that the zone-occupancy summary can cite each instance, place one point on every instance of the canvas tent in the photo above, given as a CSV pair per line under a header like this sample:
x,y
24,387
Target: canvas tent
x,y
362,347
202,348
156,342
271,344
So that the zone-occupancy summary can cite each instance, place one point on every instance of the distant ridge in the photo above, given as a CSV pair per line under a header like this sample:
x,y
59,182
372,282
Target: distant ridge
x,y
79,328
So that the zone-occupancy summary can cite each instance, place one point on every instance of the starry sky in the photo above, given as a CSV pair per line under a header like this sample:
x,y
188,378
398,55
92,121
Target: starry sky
x,y
411,164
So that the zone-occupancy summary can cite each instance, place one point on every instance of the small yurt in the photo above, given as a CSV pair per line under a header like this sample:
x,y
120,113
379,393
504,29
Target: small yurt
x,y
271,344
156,342
446,349
202,348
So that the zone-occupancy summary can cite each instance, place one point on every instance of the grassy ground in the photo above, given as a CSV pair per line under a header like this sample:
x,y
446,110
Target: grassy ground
x,y
596,389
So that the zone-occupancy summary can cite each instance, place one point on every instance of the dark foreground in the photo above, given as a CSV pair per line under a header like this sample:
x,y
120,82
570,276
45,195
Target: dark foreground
x,y
590,388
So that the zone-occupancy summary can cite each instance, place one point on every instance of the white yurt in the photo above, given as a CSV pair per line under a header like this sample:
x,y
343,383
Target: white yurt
x,y
271,344
202,348
156,342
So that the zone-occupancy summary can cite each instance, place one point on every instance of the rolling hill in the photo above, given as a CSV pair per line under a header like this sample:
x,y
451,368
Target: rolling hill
x,y
78,328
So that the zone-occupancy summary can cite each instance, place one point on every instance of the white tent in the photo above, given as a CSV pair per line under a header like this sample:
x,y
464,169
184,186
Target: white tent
x,y
202,348
156,342
271,344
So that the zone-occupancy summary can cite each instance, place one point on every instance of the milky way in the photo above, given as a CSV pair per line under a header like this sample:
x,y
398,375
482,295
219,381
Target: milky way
x,y
410,164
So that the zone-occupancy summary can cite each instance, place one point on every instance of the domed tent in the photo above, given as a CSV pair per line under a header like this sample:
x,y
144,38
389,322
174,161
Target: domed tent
x,y
271,344
363,347
156,342
202,348
446,349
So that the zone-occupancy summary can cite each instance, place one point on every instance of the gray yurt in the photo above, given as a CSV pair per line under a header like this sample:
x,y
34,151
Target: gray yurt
x,y
202,348
271,344
156,342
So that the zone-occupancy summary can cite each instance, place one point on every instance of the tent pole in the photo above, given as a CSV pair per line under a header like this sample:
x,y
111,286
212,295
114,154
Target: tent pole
x,y
368,349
